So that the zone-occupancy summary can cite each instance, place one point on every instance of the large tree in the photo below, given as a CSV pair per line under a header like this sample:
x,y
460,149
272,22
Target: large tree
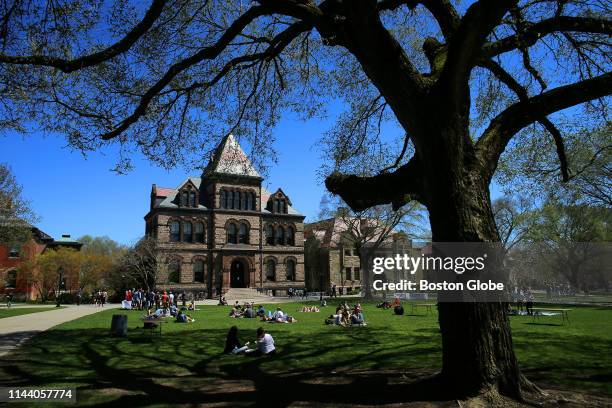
x,y
461,80
16,216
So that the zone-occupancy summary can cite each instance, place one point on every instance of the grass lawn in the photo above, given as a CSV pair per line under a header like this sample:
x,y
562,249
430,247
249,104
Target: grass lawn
x,y
18,311
316,363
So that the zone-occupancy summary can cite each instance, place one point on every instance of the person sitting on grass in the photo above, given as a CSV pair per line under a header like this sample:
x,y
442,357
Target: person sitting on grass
x,y
235,313
279,316
358,319
192,305
237,305
249,312
265,345
232,343
261,312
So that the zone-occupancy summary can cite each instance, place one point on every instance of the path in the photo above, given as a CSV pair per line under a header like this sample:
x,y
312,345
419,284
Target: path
x,y
17,329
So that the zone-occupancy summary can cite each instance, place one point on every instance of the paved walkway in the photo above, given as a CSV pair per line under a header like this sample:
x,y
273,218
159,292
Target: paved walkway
x,y
17,329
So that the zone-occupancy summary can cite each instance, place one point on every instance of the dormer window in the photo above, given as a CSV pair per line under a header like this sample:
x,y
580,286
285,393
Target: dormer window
x,y
278,203
188,196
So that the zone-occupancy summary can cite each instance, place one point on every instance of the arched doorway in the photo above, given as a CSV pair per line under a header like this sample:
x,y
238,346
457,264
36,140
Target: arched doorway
x,y
238,274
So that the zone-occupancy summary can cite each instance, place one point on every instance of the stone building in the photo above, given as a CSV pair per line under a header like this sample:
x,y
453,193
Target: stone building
x,y
224,230
334,260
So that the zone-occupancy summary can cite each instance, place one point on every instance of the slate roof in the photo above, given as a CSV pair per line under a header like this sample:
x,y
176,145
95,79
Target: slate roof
x,y
229,158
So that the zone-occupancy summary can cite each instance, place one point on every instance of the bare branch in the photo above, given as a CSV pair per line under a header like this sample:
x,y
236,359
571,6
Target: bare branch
x,y
505,125
85,61
535,31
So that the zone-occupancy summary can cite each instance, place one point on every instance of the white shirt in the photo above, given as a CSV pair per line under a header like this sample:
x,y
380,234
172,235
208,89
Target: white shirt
x,y
278,314
265,344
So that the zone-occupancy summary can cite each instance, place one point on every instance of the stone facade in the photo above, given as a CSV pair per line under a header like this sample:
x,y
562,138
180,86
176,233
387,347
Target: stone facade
x,y
213,231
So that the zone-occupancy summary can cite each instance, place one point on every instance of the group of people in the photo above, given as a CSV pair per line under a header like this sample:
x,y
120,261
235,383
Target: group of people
x,y
347,316
249,310
523,300
264,344
170,311
310,309
140,299
99,298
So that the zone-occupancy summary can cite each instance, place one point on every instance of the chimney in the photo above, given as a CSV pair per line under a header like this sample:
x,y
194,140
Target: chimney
x,y
65,235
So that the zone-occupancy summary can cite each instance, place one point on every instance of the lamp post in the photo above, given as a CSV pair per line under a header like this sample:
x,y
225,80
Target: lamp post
x,y
60,273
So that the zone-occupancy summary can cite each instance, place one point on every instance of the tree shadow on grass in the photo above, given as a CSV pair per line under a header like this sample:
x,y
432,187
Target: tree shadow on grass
x,y
325,368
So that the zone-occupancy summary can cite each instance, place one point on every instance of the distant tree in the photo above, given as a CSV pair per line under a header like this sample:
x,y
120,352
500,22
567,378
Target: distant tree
x,y
139,266
512,218
43,272
573,241
16,216
371,228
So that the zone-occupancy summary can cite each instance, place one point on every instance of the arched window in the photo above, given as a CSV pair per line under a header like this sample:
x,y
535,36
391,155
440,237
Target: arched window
x,y
199,233
174,271
192,199
175,231
270,270
230,199
277,207
187,237
243,201
249,201
198,271
290,269
232,233
243,236
290,236
280,235
237,200
184,198
223,199
269,235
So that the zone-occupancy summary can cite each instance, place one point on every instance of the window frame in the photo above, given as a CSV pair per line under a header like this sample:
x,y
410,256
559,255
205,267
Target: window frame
x,y
187,233
196,233
243,238
197,262
178,232
271,262
230,235
292,262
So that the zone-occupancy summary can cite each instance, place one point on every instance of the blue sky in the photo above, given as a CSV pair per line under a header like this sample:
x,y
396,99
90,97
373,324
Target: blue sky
x,y
81,195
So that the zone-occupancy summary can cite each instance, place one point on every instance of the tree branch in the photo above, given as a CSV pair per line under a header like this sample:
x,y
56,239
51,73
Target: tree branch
x,y
85,61
505,125
465,45
397,188
534,31
523,96
277,45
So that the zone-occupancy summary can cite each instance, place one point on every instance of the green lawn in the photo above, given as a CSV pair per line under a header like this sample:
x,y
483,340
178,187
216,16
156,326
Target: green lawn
x,y
315,362
18,311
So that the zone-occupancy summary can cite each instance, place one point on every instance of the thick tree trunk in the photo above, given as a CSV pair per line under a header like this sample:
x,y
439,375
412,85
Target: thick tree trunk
x,y
478,354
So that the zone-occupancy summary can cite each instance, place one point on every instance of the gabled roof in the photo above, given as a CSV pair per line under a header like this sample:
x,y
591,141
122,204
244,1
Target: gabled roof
x,y
229,158
170,194
265,196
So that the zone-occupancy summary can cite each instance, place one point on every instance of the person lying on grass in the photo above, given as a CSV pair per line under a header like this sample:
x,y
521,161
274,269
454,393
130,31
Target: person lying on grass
x,y
279,317
183,317
232,343
265,345
308,309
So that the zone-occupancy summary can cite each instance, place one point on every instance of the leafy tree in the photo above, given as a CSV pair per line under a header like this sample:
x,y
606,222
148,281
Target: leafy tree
x,y
16,216
367,230
512,218
573,242
169,76
531,167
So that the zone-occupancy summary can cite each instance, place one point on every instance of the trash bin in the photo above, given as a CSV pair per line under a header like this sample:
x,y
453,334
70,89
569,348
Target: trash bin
x,y
398,310
119,325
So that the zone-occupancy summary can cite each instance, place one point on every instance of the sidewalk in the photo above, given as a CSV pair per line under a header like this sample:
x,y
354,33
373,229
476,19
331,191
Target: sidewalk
x,y
17,329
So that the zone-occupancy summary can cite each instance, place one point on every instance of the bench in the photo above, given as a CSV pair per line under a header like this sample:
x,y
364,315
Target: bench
x,y
153,324
428,307
563,312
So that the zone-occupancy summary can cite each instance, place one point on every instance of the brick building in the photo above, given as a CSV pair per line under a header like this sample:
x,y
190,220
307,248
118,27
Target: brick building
x,y
11,256
224,230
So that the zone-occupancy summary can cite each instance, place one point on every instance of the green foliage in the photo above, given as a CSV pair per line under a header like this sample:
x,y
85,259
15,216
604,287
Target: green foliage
x,y
16,215
185,364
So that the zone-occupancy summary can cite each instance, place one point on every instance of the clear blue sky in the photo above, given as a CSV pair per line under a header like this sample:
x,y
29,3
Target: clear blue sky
x,y
81,195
